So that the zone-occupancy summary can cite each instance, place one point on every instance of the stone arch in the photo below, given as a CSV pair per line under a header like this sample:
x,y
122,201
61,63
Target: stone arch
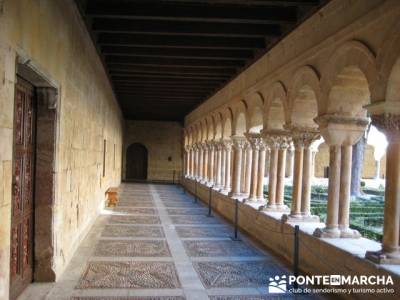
x,y
197,133
346,81
276,107
227,124
204,128
303,96
240,119
256,110
210,128
388,63
218,126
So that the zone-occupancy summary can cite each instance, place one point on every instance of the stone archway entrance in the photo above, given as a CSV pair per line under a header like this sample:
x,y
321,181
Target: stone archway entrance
x,y
136,162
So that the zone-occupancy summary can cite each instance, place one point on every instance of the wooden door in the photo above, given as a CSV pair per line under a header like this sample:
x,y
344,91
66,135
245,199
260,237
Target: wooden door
x,y
136,162
22,188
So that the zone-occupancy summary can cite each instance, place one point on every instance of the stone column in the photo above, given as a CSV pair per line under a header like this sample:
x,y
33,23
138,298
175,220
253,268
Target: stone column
x,y
261,172
218,184
211,167
389,124
306,188
252,176
273,168
200,166
238,145
344,197
205,163
297,178
340,133
248,167
289,162
223,165
280,179
278,141
301,195
196,162
227,182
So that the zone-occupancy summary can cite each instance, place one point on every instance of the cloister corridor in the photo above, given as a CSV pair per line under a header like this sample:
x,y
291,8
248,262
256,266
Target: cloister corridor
x,y
160,244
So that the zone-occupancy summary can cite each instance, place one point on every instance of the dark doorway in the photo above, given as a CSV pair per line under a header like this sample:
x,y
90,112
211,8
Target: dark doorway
x,y
136,162
22,188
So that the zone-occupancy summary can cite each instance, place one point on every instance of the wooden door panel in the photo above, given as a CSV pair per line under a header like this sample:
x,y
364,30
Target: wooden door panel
x,y
22,191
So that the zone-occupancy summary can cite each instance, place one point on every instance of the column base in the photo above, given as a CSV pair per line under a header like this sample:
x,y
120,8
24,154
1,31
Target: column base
x,y
329,233
349,233
210,184
383,258
300,219
276,208
238,196
217,188
225,191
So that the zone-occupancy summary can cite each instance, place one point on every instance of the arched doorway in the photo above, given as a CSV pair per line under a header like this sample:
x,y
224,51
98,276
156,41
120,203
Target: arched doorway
x,y
136,162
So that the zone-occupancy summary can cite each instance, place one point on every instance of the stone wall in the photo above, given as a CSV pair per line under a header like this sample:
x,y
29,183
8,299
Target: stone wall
x,y
163,140
49,37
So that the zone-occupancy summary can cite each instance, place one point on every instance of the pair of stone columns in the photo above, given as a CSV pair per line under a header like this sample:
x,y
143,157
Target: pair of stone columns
x,y
340,133
278,141
222,166
301,193
255,167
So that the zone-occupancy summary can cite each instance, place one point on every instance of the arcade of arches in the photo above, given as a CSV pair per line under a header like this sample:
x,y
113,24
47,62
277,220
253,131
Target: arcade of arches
x,y
327,81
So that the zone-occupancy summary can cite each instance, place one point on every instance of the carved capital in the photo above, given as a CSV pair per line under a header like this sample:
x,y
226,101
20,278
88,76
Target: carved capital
x,y
278,139
304,137
389,124
239,142
227,144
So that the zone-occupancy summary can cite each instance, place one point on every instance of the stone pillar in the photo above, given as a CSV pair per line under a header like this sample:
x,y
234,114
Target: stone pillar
x,y
273,168
248,167
200,166
289,162
211,167
218,174
344,197
278,141
205,163
228,161
223,165
297,178
280,179
196,162
301,195
340,133
238,145
254,145
261,172
389,124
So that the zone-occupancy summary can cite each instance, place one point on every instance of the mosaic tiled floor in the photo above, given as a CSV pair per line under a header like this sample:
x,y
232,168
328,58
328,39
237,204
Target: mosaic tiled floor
x,y
236,274
135,210
132,248
194,219
203,232
219,248
158,244
134,220
133,275
187,211
132,231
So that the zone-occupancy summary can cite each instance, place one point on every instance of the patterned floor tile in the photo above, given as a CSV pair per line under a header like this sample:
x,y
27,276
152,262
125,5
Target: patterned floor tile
x,y
181,204
187,211
133,231
131,298
136,204
134,220
135,210
219,248
133,275
132,248
203,232
259,297
236,274
194,220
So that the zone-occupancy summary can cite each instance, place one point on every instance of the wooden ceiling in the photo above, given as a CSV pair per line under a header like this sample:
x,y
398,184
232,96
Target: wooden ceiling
x,y
165,57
